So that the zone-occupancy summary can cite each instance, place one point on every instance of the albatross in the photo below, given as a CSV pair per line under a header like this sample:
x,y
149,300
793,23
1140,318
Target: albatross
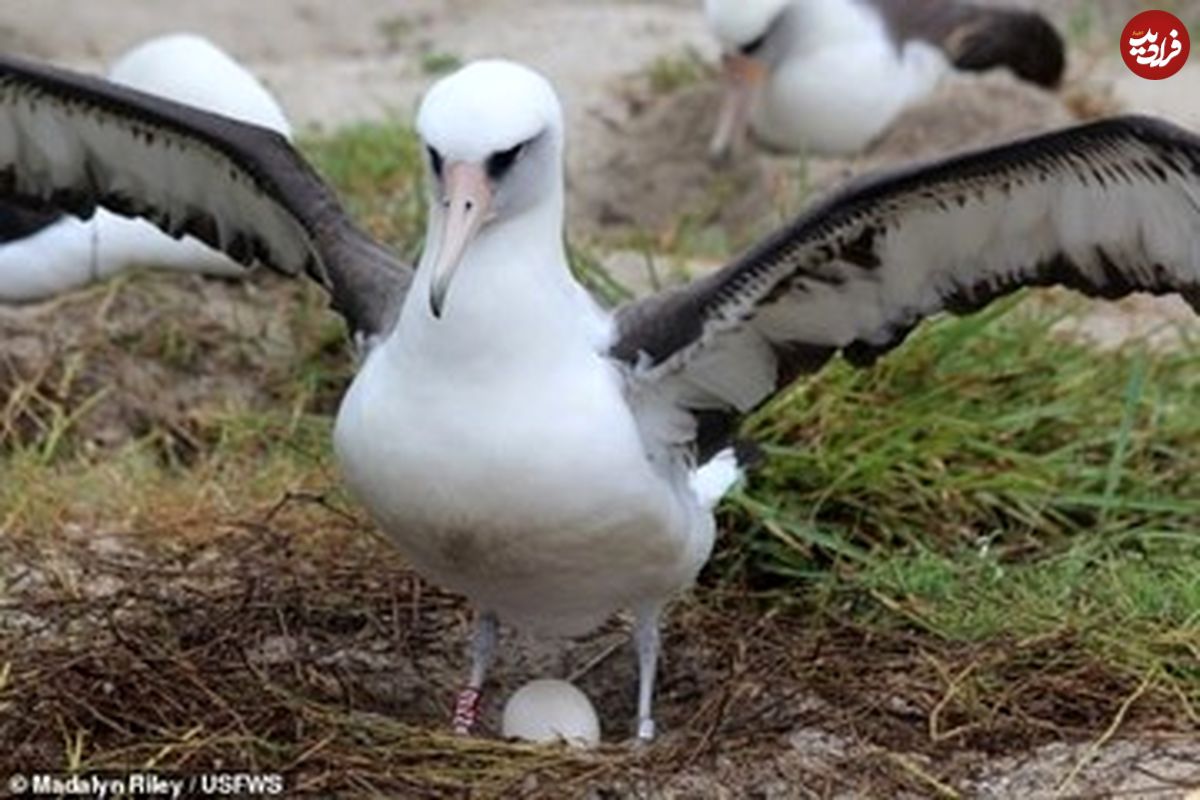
x,y
829,76
70,252
551,460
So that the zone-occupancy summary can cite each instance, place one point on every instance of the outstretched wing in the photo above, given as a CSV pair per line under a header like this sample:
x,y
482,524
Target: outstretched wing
x,y
979,37
1107,208
73,142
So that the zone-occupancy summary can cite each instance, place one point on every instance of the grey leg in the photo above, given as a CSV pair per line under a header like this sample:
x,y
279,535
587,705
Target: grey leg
x,y
646,639
483,653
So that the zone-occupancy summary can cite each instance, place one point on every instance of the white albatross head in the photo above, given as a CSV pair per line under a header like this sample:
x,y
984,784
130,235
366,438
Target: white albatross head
x,y
748,31
493,135
737,23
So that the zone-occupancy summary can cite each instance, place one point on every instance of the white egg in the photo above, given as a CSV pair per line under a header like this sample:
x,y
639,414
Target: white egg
x,y
547,710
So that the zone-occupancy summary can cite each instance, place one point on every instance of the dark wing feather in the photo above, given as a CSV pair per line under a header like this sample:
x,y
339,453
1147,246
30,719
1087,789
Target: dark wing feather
x,y
1107,208
18,222
980,37
72,142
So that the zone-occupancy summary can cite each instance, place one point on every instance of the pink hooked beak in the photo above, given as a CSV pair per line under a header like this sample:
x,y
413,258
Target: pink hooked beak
x,y
744,76
466,207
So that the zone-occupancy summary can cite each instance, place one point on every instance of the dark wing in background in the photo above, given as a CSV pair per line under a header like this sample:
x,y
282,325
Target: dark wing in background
x,y
71,142
1109,208
980,37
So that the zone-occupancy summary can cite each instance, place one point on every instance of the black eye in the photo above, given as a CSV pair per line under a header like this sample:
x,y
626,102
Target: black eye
x,y
435,161
749,49
500,163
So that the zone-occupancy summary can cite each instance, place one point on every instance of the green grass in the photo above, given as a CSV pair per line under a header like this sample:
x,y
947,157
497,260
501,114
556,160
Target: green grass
x,y
989,429
1131,603
670,73
440,63
1106,591
992,481
378,169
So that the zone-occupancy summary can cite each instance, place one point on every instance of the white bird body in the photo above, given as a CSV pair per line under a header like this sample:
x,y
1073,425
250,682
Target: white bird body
x,y
829,76
511,400
73,252
567,520
843,82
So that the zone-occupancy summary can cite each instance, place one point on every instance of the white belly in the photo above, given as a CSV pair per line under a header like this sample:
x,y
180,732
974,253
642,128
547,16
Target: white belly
x,y
535,500
838,99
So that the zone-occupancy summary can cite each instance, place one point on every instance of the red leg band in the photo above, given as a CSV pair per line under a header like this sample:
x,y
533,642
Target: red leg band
x,y
466,710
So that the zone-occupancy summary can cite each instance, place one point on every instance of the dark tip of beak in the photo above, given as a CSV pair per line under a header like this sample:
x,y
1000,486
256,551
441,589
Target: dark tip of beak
x,y
435,307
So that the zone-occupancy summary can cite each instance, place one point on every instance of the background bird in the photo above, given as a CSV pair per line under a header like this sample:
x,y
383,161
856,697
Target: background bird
x,y
69,252
553,461
828,76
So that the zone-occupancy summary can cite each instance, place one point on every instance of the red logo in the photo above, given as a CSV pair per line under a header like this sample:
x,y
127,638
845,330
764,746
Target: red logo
x,y
1155,45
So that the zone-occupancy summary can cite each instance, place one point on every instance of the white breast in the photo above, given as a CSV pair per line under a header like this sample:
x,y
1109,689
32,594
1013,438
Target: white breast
x,y
530,494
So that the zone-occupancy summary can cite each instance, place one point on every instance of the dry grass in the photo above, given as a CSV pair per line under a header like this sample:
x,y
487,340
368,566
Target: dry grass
x,y
289,639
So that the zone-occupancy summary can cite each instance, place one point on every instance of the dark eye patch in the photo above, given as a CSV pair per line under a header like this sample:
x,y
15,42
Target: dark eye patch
x,y
435,161
749,49
498,164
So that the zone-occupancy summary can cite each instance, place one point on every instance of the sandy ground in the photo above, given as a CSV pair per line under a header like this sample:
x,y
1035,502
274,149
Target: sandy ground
x,y
633,154
363,59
